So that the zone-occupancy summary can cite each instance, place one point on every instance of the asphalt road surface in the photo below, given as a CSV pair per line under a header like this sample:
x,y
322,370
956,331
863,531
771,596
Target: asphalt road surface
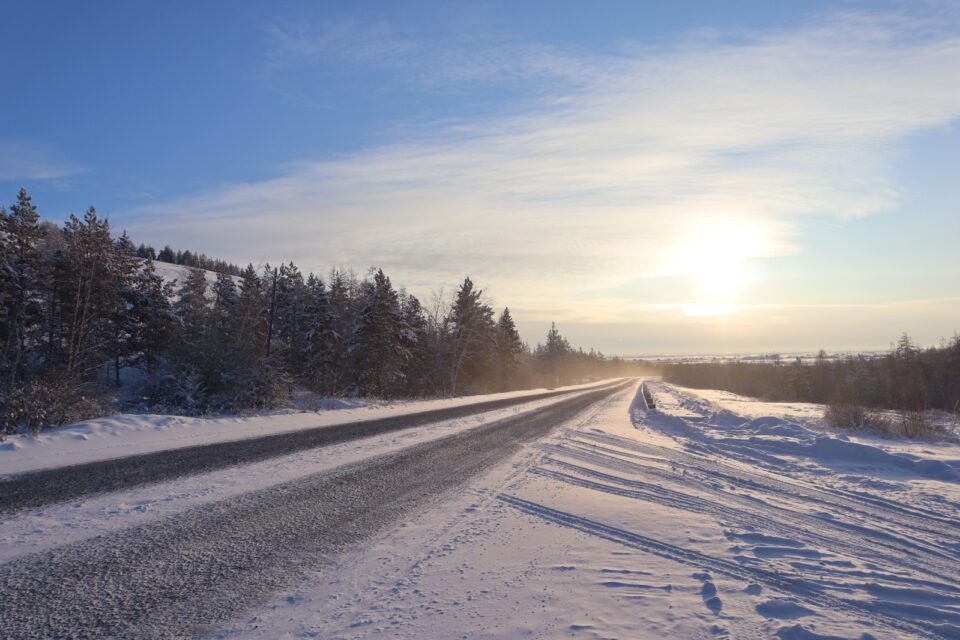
x,y
184,575
38,488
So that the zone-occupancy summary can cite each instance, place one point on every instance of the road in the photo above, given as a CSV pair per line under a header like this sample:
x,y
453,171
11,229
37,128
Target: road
x,y
38,488
187,573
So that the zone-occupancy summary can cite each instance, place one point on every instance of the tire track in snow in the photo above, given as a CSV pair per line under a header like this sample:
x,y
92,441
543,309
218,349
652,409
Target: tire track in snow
x,y
733,517
771,579
919,519
892,551
179,576
939,547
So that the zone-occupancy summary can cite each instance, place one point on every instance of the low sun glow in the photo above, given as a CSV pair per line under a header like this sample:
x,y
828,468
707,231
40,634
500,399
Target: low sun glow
x,y
715,261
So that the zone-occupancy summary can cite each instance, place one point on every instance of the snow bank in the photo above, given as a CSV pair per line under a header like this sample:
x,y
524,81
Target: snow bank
x,y
710,419
130,434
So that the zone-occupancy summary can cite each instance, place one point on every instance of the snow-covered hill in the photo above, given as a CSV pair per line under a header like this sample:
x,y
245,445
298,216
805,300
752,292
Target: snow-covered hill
x,y
176,272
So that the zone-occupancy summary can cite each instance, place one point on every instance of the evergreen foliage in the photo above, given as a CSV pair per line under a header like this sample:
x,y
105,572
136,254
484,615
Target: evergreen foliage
x,y
88,326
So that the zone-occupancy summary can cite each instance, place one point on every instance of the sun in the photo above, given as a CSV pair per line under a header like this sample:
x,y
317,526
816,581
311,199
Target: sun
x,y
714,259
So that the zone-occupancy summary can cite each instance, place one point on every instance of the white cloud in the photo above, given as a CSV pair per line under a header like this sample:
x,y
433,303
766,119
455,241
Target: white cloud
x,y
26,160
600,182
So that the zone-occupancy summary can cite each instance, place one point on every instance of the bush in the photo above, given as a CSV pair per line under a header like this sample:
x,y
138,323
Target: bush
x,y
183,390
845,415
914,424
257,388
904,424
849,415
40,404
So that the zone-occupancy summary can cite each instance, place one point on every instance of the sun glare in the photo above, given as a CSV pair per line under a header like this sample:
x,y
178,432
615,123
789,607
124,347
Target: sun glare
x,y
715,260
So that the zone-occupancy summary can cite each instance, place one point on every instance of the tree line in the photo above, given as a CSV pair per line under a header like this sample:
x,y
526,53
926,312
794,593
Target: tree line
x,y
908,379
87,326
187,258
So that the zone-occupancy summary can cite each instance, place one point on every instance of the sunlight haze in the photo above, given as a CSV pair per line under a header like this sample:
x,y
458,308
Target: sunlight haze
x,y
680,180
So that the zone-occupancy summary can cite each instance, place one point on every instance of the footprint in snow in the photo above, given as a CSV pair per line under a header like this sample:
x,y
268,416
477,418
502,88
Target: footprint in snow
x,y
709,593
782,609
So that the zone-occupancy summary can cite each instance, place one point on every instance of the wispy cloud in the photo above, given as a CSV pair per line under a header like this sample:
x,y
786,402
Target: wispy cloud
x,y
28,160
444,60
613,174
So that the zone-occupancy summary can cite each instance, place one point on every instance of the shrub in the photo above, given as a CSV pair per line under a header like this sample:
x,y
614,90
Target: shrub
x,y
40,404
845,415
849,415
902,424
914,424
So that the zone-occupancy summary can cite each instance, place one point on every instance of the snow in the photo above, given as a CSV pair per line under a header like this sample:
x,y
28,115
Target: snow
x,y
710,517
38,529
178,273
130,434
625,524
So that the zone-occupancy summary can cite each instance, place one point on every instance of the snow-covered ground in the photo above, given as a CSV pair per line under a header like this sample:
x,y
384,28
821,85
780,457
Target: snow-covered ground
x,y
712,517
178,273
38,529
130,434
687,522
810,416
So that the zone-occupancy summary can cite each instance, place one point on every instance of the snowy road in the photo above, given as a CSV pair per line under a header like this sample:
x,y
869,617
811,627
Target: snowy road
x,y
691,521
44,486
584,516
180,574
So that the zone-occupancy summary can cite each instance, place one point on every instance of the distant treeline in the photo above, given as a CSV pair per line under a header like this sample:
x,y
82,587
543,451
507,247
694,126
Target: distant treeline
x,y
187,259
86,325
907,378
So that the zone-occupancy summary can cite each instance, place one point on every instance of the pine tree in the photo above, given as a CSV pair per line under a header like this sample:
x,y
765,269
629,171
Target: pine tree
x,y
167,255
291,320
554,355
89,294
252,313
152,318
421,375
320,337
226,298
342,321
472,335
381,339
125,267
20,288
509,349
193,314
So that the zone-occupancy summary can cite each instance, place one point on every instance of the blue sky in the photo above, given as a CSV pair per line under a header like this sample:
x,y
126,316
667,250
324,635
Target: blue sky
x,y
669,177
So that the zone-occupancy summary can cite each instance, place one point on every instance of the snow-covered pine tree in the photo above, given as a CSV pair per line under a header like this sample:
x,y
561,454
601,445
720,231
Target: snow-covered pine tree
x,y
20,287
421,376
125,267
152,318
472,335
381,340
509,349
226,298
252,312
554,355
88,295
191,346
290,323
320,337
343,321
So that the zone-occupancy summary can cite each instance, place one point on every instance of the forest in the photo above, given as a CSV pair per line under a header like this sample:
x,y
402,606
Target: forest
x,y
87,327
907,379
